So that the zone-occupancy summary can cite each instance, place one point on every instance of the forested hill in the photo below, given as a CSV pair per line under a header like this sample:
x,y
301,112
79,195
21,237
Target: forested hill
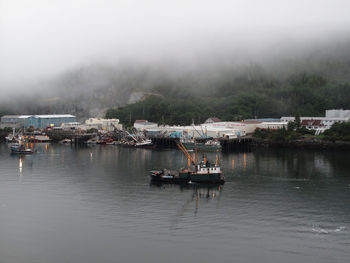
x,y
246,96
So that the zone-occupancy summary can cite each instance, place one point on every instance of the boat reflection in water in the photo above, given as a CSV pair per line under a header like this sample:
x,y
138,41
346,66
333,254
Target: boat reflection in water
x,y
207,192
204,192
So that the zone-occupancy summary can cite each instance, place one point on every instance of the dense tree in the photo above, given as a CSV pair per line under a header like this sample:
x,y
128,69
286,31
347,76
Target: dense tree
x,y
338,131
249,96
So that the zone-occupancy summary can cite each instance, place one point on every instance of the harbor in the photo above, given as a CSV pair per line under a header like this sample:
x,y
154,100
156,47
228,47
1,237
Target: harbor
x,y
174,131
213,135
101,198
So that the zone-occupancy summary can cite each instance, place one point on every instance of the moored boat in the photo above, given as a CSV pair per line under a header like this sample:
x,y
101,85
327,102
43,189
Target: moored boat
x,y
147,143
19,148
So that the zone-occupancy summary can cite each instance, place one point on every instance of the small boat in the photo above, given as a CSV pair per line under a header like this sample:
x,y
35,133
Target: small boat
x,y
19,148
112,143
145,144
91,141
66,141
140,142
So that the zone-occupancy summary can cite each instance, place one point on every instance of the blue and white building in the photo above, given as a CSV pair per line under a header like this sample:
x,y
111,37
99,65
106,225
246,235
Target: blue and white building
x,y
36,121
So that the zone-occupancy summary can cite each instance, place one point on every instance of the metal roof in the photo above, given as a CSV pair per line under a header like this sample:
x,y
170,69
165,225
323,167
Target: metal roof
x,y
10,116
40,116
54,116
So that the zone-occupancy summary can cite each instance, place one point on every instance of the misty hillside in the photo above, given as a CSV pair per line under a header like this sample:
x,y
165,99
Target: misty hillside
x,y
306,84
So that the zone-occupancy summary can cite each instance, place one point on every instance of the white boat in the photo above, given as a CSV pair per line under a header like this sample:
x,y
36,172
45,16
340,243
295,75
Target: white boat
x,y
145,143
66,141
91,141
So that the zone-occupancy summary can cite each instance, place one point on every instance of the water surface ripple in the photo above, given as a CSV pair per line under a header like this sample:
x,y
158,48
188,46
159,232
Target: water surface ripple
x,y
96,204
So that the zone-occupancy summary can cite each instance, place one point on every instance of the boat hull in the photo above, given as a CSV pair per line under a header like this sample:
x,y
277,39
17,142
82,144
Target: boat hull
x,y
27,151
177,178
210,178
20,149
146,146
186,177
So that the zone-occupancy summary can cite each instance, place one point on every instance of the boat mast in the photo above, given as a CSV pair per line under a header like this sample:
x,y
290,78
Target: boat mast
x,y
131,136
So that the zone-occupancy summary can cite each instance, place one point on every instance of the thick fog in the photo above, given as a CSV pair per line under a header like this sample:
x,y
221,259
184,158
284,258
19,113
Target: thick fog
x,y
42,39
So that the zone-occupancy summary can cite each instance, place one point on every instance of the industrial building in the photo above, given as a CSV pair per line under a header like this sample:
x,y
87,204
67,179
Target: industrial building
x,y
320,124
144,125
13,121
102,124
35,121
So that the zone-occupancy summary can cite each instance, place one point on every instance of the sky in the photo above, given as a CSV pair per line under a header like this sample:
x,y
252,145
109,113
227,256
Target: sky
x,y
42,38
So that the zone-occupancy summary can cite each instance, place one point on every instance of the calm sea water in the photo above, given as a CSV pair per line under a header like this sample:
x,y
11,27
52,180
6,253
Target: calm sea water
x,y
96,204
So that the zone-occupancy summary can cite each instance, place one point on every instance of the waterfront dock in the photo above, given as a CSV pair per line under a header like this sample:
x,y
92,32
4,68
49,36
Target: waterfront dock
x,y
243,143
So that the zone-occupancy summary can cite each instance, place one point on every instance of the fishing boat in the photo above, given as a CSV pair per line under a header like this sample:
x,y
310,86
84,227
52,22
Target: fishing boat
x,y
65,141
19,148
207,173
200,172
147,143
140,142
91,141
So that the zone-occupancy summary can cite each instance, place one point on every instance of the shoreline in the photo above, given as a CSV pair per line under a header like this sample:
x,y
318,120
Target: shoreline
x,y
315,144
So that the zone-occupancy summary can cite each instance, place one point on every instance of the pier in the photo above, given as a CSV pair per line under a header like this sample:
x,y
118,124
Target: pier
x,y
236,144
228,145
77,138
165,142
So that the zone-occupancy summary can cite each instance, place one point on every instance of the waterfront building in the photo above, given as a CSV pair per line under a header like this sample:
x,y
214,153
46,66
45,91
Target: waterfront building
x,y
13,121
44,121
144,125
338,114
102,124
272,125
212,120
320,124
35,121
243,127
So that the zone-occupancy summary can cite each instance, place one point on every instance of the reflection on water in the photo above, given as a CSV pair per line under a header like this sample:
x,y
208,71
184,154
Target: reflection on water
x,y
204,192
96,204
20,165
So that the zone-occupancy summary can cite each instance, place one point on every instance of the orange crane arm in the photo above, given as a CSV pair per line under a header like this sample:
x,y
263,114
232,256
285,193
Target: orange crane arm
x,y
185,152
